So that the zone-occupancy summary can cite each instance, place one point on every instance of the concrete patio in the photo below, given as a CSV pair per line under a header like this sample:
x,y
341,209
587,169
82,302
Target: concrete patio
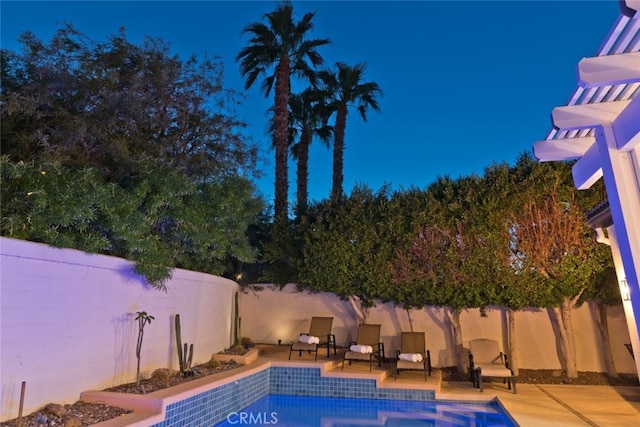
x,y
533,406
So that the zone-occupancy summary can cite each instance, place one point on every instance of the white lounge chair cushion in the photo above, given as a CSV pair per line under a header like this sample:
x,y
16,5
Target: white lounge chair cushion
x,y
493,370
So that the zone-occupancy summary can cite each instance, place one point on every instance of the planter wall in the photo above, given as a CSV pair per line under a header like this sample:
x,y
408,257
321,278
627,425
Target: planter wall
x,y
249,357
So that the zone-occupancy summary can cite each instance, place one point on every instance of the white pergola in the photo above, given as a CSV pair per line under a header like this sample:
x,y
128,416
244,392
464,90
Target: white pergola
x,y
600,128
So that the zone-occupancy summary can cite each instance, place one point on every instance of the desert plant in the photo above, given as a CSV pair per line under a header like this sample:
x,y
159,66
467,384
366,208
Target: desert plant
x,y
213,363
237,323
163,376
184,357
143,318
246,342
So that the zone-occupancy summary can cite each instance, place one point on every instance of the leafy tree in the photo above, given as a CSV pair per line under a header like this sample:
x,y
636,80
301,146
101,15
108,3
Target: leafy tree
x,y
344,88
554,247
346,249
447,262
160,220
114,106
280,46
125,150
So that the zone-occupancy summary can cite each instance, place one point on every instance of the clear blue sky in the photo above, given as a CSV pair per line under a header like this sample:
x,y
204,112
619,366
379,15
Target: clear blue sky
x,y
466,84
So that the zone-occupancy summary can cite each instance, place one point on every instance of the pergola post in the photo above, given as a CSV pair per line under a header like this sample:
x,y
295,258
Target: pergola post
x,y
620,173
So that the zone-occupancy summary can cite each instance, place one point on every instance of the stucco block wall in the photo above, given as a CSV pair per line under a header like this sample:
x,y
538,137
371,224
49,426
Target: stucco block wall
x,y
271,314
67,322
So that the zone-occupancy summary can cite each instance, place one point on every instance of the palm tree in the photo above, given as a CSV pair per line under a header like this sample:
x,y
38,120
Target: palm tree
x,y
309,115
280,46
345,88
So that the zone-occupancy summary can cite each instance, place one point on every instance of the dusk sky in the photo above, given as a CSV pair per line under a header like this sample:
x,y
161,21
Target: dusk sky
x,y
466,84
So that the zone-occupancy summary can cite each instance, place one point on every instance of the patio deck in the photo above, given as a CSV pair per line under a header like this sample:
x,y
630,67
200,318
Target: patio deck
x,y
535,405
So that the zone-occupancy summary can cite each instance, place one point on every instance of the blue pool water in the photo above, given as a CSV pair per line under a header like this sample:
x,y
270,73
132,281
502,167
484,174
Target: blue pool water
x,y
310,411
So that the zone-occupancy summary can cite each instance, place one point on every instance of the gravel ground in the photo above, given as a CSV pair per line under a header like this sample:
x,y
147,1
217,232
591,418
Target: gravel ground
x,y
544,376
86,414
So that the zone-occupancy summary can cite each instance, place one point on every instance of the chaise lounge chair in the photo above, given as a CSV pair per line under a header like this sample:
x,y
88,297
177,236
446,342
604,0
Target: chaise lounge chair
x,y
320,328
366,346
413,354
486,360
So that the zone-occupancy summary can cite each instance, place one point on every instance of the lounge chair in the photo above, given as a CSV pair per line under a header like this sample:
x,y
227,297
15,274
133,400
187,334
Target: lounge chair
x,y
486,360
320,328
413,354
368,336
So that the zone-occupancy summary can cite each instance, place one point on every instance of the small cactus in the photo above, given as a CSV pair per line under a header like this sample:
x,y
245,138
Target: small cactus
x,y
184,357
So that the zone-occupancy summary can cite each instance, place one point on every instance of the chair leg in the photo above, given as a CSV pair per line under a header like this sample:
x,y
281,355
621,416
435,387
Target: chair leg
x,y
479,378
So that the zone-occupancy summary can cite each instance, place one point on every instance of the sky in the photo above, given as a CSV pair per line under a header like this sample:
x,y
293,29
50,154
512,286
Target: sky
x,y
466,84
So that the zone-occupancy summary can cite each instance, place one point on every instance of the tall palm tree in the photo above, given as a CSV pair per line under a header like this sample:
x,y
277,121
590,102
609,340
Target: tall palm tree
x,y
345,88
308,116
280,46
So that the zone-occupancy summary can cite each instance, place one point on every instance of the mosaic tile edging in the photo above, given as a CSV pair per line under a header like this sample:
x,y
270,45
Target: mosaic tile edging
x,y
199,409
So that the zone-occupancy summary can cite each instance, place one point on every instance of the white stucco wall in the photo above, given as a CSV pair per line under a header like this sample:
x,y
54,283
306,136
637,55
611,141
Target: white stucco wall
x,y
272,314
67,322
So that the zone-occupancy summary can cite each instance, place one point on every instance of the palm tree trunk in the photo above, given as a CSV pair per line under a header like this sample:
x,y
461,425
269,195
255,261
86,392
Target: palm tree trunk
x,y
281,118
303,172
338,152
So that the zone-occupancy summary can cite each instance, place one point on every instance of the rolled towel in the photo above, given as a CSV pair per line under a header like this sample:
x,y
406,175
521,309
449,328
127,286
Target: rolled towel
x,y
361,348
410,357
309,339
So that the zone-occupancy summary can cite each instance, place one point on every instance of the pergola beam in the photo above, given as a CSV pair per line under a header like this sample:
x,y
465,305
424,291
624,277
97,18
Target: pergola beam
x,y
552,150
588,170
587,116
609,70
628,135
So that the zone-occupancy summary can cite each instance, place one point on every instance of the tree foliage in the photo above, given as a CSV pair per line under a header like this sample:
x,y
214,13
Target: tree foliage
x,y
115,105
125,150
343,88
347,247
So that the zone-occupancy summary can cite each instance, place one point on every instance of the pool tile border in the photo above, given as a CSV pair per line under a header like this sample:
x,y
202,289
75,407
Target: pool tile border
x,y
186,405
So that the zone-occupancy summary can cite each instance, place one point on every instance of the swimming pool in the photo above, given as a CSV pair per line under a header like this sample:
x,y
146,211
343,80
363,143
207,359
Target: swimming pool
x,y
213,404
309,411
